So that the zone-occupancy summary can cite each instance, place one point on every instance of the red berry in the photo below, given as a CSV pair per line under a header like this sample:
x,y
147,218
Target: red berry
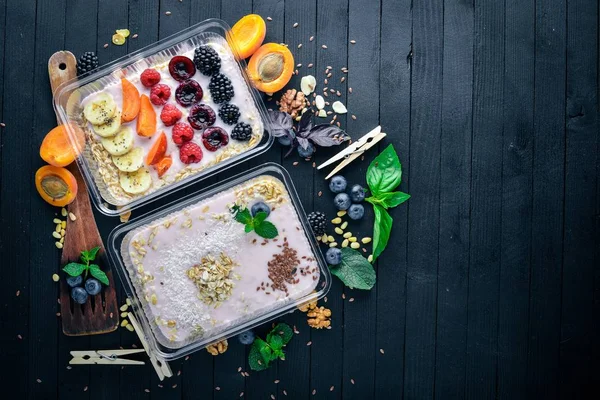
x,y
182,133
159,94
170,114
150,77
190,152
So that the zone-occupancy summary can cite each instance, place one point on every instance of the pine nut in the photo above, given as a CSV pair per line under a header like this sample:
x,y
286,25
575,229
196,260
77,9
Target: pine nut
x,y
339,231
330,238
333,244
72,216
336,220
344,225
58,228
129,327
343,212
124,315
56,235
345,243
55,277
355,245
352,239
124,322
370,258
63,224
347,235
124,307
56,221
63,212
58,245
366,240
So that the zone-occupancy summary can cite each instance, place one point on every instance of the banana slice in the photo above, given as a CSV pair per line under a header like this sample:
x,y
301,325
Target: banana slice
x,y
119,144
135,182
110,127
131,161
100,109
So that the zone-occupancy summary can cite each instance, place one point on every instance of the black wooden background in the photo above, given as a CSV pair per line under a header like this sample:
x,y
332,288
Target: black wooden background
x,y
490,287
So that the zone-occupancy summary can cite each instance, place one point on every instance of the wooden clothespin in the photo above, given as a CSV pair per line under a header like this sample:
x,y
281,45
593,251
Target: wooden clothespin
x,y
112,356
105,357
355,150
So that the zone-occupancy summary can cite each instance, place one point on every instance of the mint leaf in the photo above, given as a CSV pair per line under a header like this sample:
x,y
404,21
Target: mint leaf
x,y
266,229
89,255
248,228
74,269
354,270
382,227
279,354
276,342
284,331
260,217
266,353
255,358
242,215
99,274
385,172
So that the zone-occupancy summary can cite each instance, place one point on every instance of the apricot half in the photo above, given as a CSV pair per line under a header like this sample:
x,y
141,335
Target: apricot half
x,y
56,185
271,67
58,149
248,34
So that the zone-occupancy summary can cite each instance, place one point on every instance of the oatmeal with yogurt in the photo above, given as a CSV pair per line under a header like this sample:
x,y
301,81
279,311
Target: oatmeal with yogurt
x,y
168,117
201,270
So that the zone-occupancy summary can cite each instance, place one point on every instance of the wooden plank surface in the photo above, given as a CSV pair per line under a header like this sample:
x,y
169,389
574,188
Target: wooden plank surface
x,y
490,285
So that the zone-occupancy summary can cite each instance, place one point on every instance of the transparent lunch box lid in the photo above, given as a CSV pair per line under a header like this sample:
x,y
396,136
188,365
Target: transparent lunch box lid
x,y
122,237
70,97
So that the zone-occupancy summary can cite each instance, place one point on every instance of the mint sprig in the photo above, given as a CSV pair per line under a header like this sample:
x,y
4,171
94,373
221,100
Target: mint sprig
x,y
76,269
264,352
383,177
354,270
257,223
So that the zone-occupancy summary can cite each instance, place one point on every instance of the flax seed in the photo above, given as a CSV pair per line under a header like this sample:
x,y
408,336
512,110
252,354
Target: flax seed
x,y
269,19
324,46
295,25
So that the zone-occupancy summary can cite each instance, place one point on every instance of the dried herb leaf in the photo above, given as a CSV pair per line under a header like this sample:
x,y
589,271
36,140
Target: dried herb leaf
x,y
281,123
326,135
305,124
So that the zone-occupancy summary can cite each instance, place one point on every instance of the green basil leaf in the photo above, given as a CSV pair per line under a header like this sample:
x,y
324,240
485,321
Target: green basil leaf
x,y
242,215
382,227
284,331
99,274
74,269
392,199
385,172
376,201
255,358
260,217
266,229
354,270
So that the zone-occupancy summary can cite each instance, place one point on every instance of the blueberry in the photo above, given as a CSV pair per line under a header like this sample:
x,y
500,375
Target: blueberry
x,y
357,193
306,153
342,201
333,256
246,337
74,281
79,295
286,140
93,286
258,207
338,184
356,211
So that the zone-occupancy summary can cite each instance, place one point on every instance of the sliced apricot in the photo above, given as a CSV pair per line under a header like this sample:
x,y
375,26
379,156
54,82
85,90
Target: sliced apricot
x,y
146,122
248,34
163,165
158,150
131,101
271,67
56,185
59,149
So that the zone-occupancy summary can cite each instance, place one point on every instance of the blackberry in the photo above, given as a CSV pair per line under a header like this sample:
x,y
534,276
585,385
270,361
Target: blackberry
x,y
207,60
87,62
229,113
317,222
221,89
241,132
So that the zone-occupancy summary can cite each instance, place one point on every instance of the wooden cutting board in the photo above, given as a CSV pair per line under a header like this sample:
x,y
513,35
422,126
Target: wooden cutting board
x,y
100,314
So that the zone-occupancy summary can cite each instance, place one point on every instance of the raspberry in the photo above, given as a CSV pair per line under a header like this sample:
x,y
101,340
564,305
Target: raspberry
x,y
159,94
150,77
170,114
182,133
190,153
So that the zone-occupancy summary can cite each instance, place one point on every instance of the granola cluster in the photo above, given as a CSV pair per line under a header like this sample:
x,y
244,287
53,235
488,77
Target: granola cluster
x,y
213,278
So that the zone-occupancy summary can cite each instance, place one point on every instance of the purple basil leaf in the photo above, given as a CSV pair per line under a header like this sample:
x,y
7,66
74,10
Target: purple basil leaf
x,y
289,151
281,123
303,142
326,135
305,124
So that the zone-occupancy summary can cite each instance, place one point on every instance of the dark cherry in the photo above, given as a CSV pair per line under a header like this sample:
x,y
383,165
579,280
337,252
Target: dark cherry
x,y
188,93
181,68
214,137
201,116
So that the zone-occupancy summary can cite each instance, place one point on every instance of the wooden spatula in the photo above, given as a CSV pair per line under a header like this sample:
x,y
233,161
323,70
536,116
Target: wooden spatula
x,y
100,314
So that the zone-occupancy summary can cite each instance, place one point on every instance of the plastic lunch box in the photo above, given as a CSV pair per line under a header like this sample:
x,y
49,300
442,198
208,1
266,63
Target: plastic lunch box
x,y
119,237
69,97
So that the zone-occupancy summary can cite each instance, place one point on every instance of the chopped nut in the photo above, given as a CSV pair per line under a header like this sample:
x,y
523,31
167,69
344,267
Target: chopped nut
x,y
217,348
319,318
293,102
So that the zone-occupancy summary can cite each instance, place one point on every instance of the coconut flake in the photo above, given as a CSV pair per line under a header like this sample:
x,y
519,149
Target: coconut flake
x,y
339,107
308,84
320,102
